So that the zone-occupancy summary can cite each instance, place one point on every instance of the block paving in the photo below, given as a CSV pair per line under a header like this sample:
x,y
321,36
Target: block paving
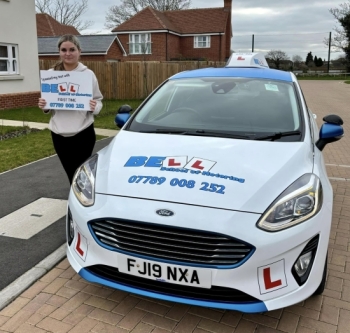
x,y
62,302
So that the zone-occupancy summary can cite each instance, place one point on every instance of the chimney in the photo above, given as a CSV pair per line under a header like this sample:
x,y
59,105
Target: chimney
x,y
228,3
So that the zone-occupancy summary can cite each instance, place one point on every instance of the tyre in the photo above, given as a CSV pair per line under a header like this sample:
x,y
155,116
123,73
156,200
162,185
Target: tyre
x,y
322,285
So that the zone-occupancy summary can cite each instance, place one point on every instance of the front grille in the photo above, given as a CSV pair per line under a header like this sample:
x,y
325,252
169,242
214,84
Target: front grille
x,y
170,243
217,294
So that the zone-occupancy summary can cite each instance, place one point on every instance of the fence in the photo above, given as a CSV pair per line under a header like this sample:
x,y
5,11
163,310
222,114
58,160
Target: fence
x,y
134,80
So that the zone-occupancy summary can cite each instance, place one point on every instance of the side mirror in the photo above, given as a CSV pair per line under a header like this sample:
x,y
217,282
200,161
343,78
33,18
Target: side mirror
x,y
330,131
123,115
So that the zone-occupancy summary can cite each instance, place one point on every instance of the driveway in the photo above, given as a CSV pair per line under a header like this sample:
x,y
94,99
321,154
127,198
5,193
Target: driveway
x,y
62,302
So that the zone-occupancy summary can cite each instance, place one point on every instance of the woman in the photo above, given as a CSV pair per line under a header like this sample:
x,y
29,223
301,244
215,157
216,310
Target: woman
x,y
73,132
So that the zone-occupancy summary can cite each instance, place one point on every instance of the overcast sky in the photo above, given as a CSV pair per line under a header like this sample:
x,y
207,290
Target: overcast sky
x,y
293,26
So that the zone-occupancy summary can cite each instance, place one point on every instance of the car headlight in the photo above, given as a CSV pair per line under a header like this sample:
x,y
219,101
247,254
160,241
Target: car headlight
x,y
84,182
297,203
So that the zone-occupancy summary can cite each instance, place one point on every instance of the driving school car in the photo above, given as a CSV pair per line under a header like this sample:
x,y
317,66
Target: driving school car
x,y
214,193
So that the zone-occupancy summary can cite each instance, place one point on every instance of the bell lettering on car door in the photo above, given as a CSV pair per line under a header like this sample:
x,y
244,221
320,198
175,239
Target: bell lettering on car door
x,y
272,277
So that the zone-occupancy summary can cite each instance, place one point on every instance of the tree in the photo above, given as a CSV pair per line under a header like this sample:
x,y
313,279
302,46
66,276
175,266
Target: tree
x,y
341,37
276,56
319,62
67,12
297,59
118,14
309,58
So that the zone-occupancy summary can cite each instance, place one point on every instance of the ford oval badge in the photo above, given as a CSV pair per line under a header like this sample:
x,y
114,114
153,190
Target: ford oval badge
x,y
165,212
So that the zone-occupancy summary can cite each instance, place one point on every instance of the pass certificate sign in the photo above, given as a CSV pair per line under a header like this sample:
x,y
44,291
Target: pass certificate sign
x,y
66,90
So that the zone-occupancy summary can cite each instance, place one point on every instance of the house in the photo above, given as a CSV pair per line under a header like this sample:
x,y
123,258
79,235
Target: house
x,y
94,48
46,25
19,68
192,34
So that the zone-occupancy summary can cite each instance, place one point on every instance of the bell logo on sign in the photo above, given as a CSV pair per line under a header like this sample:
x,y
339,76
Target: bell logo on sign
x,y
73,88
62,87
272,277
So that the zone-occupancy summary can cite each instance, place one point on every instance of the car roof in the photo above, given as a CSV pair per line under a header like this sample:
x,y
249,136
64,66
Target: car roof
x,y
240,72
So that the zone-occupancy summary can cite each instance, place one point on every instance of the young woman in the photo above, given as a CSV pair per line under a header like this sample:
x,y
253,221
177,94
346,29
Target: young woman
x,y
72,132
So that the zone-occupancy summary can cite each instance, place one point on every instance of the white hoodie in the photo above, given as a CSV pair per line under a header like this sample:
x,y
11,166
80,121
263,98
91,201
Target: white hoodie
x,y
69,122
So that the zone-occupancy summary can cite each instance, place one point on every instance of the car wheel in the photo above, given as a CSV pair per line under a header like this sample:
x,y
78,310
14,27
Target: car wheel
x,y
322,285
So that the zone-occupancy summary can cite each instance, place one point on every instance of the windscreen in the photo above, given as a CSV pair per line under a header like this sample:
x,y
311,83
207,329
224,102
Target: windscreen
x,y
230,105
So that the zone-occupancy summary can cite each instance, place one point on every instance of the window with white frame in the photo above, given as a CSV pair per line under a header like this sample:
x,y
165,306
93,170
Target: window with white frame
x,y
140,44
201,42
8,59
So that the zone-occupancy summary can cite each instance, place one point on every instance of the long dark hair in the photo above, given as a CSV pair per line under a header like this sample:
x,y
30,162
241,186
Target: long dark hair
x,y
66,38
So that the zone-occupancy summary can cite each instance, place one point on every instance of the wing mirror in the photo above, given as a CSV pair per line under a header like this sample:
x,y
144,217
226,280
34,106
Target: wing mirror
x,y
330,131
123,115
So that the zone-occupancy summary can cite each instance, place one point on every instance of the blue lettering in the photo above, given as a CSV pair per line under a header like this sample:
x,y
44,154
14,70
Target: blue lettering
x,y
45,87
54,88
136,161
155,162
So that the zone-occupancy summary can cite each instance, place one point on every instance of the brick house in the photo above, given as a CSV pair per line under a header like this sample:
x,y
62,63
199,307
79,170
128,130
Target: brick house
x,y
94,48
193,34
46,25
19,68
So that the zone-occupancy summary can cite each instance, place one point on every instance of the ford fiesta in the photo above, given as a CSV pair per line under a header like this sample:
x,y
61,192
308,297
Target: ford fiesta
x,y
214,193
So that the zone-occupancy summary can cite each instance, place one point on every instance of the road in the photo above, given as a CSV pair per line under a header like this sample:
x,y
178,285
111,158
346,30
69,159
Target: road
x,y
19,188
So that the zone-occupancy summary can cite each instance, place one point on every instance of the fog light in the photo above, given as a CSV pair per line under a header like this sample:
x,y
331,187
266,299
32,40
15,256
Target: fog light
x,y
70,228
302,264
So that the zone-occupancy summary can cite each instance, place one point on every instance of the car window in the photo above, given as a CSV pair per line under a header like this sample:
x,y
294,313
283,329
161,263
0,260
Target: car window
x,y
222,104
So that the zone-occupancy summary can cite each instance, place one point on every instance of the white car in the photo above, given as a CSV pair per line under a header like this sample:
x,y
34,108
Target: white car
x,y
214,193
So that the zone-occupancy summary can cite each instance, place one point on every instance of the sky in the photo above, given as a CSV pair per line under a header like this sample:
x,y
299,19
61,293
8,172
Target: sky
x,y
293,26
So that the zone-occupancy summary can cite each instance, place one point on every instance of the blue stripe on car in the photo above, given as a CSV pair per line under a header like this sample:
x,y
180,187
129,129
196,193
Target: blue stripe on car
x,y
259,73
251,307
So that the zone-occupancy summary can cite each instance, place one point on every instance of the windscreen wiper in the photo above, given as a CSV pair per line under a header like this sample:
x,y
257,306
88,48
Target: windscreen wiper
x,y
219,134
199,133
277,135
165,131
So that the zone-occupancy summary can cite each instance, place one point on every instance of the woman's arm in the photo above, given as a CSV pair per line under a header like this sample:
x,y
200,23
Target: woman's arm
x,y
96,103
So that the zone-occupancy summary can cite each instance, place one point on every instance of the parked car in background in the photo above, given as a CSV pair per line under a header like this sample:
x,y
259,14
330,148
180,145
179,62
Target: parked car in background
x,y
214,193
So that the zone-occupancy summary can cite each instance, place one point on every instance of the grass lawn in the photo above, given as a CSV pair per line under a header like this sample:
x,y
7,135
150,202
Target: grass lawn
x,y
105,119
25,149
347,82
9,129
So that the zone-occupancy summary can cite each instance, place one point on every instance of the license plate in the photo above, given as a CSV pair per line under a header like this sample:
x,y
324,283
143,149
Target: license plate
x,y
163,272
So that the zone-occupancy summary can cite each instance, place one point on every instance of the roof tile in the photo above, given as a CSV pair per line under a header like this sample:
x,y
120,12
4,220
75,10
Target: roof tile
x,y
48,26
189,21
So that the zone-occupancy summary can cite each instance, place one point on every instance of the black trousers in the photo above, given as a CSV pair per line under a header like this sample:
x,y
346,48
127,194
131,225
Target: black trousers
x,y
74,150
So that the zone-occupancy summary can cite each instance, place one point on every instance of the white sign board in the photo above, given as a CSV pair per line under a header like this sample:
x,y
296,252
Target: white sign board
x,y
247,60
66,90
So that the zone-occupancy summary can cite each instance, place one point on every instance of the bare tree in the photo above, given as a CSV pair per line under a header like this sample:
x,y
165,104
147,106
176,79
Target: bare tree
x,y
276,56
339,41
118,14
297,59
67,12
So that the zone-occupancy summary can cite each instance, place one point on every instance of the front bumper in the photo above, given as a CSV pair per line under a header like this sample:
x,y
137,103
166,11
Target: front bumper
x,y
266,276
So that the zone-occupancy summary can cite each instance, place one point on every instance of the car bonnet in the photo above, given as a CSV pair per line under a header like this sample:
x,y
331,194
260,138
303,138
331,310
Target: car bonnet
x,y
241,175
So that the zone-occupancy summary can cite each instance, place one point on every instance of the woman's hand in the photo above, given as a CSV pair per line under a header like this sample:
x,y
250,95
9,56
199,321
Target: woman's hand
x,y
92,105
42,103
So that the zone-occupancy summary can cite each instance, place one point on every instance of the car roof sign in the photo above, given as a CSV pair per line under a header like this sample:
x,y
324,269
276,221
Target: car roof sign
x,y
247,60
